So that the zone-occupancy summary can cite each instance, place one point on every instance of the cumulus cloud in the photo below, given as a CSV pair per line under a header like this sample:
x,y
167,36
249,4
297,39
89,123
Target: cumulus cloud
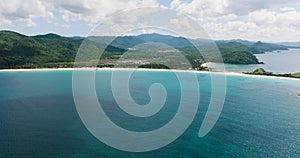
x,y
93,11
244,7
263,25
249,19
204,9
284,9
221,8
19,11
90,11
290,19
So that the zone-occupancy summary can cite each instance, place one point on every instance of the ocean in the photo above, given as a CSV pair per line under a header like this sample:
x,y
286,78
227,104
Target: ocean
x,y
38,116
286,61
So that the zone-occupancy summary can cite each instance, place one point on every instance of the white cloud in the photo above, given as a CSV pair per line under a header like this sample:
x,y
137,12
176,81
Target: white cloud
x,y
244,7
66,26
65,17
29,23
249,19
219,8
284,9
231,30
4,21
202,9
19,11
290,19
91,11
262,17
94,11
263,25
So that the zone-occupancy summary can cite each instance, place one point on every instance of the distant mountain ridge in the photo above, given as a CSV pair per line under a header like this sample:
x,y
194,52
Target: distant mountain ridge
x,y
245,42
49,35
291,44
181,42
52,50
177,42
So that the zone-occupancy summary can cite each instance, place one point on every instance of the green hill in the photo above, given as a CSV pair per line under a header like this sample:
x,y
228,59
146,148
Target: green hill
x,y
51,50
260,47
18,50
255,48
239,57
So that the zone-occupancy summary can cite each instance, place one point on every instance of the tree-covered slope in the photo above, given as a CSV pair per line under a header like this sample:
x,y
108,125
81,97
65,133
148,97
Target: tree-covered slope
x,y
239,57
237,53
260,47
18,50
51,50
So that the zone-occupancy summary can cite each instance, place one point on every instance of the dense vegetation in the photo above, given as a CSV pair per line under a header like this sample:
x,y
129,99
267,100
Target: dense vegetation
x,y
255,48
154,66
260,47
19,51
51,50
261,71
239,57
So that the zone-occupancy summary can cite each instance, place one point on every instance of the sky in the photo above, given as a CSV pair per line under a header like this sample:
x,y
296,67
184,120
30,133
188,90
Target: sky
x,y
256,20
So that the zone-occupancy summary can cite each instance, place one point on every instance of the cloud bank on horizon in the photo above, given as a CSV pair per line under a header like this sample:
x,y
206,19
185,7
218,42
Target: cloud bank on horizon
x,y
264,20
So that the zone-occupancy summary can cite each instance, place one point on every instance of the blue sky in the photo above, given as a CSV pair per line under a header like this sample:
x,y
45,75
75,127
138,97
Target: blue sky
x,y
272,21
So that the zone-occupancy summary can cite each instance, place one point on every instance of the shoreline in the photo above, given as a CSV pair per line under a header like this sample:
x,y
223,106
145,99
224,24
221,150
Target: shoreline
x,y
225,73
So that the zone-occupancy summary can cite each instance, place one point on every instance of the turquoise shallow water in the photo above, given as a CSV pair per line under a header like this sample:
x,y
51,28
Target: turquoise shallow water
x,y
38,117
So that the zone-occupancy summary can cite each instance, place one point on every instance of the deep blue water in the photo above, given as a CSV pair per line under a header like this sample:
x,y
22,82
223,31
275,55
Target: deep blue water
x,y
38,118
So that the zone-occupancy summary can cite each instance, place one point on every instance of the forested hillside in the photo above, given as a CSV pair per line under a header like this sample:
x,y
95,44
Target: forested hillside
x,y
51,50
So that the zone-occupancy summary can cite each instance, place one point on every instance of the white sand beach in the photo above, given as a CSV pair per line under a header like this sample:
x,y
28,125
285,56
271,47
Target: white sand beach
x,y
226,73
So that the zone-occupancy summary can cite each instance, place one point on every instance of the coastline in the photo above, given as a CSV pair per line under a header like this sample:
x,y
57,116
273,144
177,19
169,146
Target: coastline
x,y
226,73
